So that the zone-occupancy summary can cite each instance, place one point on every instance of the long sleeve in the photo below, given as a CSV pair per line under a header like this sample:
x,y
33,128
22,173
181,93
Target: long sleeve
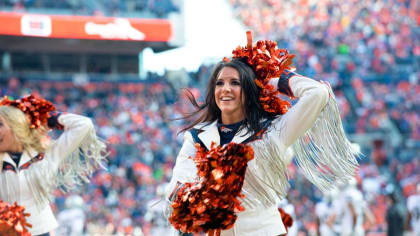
x,y
273,152
313,96
76,128
77,153
312,128
184,169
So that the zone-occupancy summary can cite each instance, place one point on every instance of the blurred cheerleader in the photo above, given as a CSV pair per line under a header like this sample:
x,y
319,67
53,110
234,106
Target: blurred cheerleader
x,y
232,166
32,165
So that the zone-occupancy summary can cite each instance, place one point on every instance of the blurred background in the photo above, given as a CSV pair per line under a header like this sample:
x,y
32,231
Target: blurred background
x,y
123,63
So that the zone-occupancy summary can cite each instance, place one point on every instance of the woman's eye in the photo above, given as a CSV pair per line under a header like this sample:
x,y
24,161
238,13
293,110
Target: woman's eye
x,y
218,83
235,82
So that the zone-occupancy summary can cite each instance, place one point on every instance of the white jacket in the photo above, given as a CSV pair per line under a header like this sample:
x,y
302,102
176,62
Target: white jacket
x,y
24,185
266,176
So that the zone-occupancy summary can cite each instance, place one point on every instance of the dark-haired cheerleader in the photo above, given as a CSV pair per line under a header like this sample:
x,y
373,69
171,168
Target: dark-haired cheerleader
x,y
232,166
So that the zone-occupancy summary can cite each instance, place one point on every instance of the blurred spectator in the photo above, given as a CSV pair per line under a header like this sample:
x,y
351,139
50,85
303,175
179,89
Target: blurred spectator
x,y
72,219
413,214
324,210
155,214
351,211
394,216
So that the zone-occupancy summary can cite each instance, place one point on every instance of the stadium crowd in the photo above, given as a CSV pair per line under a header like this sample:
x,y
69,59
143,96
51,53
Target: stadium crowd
x,y
143,143
129,8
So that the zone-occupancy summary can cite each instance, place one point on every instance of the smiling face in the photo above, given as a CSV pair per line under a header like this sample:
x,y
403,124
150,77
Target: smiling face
x,y
7,139
228,96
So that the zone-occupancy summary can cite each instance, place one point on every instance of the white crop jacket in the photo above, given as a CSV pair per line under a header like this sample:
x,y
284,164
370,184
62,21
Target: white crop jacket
x,y
27,186
266,177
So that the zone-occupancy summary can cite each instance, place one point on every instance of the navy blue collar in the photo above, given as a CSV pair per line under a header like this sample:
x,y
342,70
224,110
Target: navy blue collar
x,y
231,128
15,154
15,157
227,132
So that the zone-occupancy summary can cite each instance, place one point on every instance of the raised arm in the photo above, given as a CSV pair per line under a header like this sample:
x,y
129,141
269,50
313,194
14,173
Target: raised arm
x,y
75,129
312,95
77,153
313,129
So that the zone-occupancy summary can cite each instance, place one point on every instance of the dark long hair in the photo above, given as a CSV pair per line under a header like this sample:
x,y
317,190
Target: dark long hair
x,y
210,112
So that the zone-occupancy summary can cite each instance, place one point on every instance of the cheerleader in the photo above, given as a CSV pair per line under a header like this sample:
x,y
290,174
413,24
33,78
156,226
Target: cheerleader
x,y
232,166
32,165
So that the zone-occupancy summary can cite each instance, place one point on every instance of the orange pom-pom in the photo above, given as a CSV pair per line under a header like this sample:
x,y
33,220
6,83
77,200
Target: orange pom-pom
x,y
13,220
36,109
268,62
211,204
